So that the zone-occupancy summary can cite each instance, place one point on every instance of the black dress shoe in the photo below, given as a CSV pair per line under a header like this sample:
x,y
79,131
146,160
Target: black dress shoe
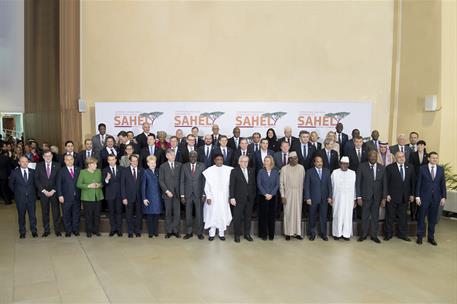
x,y
336,238
177,235
264,238
130,235
119,234
150,236
299,237
22,236
188,236
361,239
346,239
271,238
222,238
89,235
419,241
156,234
201,237
433,242
406,239
98,234
68,234
324,238
211,238
112,233
312,237
34,234
45,234
287,237
138,234
386,238
248,238
76,233
237,239
376,240
168,235
58,234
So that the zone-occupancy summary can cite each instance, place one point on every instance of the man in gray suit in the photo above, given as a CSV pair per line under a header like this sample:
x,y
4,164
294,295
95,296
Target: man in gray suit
x,y
169,174
98,141
401,146
192,193
371,191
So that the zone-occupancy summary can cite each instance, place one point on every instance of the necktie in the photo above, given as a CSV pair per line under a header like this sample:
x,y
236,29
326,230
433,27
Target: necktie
x,y
372,172
339,137
402,173
284,159
288,140
193,169
420,158
112,151
358,154
256,147
25,175
433,173
172,167
150,150
224,153
401,149
48,170
244,153
319,172
72,173
114,171
245,173
207,152
134,173
305,152
328,156
102,139
88,154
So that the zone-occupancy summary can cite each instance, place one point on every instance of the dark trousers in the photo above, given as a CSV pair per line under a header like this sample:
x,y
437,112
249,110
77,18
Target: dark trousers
x,y
115,214
24,206
396,211
71,212
242,214
5,191
318,208
51,202
172,214
414,210
92,216
370,217
152,221
429,210
194,204
267,217
134,214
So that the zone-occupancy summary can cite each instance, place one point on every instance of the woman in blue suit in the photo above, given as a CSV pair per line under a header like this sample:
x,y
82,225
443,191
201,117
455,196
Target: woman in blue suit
x,y
268,186
150,193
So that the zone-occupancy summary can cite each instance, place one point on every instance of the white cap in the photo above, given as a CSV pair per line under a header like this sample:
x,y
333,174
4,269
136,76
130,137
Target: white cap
x,y
344,159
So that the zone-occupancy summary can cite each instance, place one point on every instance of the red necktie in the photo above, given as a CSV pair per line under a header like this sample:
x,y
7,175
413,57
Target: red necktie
x,y
193,169
134,173
72,173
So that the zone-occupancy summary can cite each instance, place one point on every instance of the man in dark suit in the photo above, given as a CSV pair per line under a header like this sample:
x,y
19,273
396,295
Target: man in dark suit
x,y
350,143
187,148
69,149
430,195
198,140
371,192
400,192
98,140
373,143
329,156
69,196
223,149
180,137
313,137
6,165
356,153
131,196
401,146
111,176
318,195
243,150
304,149
205,152
417,159
151,149
281,157
176,148
192,183
259,156
87,152
288,137
215,136
46,183
169,179
242,192
341,138
142,138
22,184
254,146
234,142
108,150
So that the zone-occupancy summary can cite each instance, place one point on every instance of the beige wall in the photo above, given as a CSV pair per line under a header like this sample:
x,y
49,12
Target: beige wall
x,y
237,50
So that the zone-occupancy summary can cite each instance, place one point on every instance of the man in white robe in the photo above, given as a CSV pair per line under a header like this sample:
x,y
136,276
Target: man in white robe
x,y
216,211
343,185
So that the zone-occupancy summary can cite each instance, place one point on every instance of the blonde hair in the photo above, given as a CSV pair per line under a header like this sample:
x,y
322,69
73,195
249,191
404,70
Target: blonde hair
x,y
91,160
151,158
272,161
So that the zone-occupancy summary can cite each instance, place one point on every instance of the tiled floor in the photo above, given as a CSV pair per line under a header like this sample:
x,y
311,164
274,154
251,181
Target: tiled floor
x,y
144,270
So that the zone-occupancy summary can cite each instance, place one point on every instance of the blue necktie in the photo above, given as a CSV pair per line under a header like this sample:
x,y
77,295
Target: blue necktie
x,y
319,171
402,173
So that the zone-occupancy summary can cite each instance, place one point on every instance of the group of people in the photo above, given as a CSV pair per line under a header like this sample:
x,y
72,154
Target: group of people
x,y
218,180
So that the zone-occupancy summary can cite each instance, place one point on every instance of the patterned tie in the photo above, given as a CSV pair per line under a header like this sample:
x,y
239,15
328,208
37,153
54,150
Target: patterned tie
x,y
72,173
48,170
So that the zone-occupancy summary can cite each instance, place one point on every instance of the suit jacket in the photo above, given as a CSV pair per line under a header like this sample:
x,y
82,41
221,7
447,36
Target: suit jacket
x,y
22,189
278,158
96,142
6,165
344,140
83,155
431,191
231,143
258,163
208,161
371,145
77,160
308,161
104,156
415,161
159,154
215,139
228,160
407,150
240,190
316,189
142,141
113,186
236,157
66,185
400,190
252,147
131,188
353,160
169,180
268,184
42,182
319,146
192,186
366,187
293,139
334,161
185,153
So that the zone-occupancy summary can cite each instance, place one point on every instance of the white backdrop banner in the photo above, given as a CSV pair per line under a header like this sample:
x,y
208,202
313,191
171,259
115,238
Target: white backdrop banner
x,y
249,116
